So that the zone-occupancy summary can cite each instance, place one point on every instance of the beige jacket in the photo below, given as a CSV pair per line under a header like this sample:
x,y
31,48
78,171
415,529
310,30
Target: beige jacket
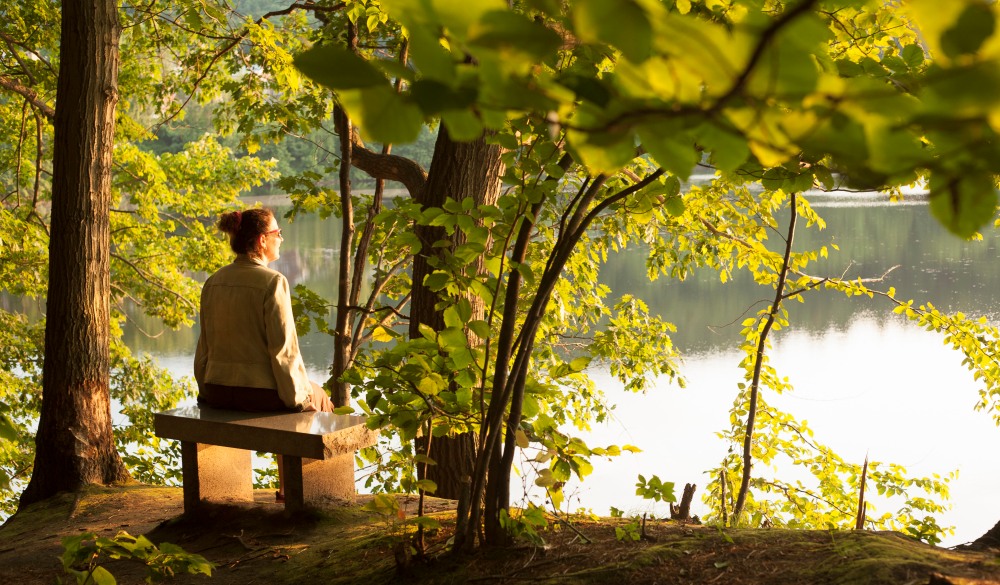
x,y
248,333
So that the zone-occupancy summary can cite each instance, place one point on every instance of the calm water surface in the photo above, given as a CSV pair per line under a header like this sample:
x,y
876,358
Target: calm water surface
x,y
866,381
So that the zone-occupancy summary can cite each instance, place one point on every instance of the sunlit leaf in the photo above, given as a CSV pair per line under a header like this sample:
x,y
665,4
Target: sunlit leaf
x,y
620,23
521,438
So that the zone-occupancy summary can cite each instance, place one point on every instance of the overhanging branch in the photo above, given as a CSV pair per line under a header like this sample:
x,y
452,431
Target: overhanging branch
x,y
29,94
388,167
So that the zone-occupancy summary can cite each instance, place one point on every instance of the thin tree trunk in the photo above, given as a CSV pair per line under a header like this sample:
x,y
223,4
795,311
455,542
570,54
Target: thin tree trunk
x,y
74,443
509,389
741,496
342,350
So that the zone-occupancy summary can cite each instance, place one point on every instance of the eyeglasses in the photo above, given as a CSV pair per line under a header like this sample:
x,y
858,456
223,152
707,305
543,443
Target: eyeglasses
x,y
275,231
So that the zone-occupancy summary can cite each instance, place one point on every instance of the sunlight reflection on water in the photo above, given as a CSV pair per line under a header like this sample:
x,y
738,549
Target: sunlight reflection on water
x,y
891,391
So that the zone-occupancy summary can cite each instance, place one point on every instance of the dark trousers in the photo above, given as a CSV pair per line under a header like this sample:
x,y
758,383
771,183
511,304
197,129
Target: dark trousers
x,y
240,398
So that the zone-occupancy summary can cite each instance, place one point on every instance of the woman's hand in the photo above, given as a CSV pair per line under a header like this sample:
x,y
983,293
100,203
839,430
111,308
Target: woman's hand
x,y
320,400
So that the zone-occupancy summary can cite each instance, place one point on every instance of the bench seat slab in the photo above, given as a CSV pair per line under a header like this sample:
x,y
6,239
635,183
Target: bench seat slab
x,y
317,448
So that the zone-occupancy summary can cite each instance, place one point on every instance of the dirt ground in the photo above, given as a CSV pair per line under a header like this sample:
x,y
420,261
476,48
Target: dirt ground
x,y
262,544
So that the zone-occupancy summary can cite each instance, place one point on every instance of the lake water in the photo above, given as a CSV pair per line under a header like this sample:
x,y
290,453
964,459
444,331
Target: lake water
x,y
866,381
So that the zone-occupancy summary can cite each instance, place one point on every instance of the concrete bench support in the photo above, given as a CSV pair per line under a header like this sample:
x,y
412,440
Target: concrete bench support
x,y
317,449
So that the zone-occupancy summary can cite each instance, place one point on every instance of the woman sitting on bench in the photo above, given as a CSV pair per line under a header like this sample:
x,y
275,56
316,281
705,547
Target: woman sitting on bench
x,y
248,352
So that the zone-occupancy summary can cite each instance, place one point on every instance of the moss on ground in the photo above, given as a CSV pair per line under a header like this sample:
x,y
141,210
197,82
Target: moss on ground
x,y
341,544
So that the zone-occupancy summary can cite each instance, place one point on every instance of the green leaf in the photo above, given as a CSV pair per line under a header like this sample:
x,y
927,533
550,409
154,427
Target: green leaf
x,y
343,410
435,96
545,478
673,149
338,68
480,328
675,206
432,59
464,309
582,467
773,179
620,23
461,358
463,396
452,339
530,407
383,115
463,125
437,280
913,55
8,432
602,152
728,146
426,522
427,332
974,26
102,576
457,16
431,385
789,67
512,32
963,204
521,439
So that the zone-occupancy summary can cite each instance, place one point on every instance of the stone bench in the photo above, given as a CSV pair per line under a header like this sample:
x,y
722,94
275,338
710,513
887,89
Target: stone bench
x,y
216,448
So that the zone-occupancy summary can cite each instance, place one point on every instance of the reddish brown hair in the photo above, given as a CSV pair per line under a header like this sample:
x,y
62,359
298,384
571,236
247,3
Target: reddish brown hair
x,y
245,227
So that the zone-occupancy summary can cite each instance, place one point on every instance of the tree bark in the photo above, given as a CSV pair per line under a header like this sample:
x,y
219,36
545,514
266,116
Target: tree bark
x,y
989,540
458,170
74,443
342,336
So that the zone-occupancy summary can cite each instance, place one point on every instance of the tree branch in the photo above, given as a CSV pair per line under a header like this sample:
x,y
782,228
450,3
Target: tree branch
x,y
29,94
232,43
388,167
151,280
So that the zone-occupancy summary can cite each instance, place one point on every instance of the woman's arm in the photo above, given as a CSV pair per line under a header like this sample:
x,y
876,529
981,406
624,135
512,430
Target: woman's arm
x,y
294,387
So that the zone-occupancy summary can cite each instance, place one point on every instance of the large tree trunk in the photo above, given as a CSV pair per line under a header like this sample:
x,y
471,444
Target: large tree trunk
x,y
989,540
458,170
74,443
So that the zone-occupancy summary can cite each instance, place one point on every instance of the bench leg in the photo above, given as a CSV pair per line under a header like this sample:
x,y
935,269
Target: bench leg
x,y
330,478
189,471
214,473
309,480
292,482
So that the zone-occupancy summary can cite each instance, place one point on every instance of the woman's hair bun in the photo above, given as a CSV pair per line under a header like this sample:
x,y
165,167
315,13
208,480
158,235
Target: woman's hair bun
x,y
230,222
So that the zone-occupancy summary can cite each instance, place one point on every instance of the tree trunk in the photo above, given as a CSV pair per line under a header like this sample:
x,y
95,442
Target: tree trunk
x,y
342,337
989,540
74,442
458,170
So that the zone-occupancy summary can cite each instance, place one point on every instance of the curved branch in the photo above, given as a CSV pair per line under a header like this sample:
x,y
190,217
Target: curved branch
x,y
388,167
38,57
29,94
